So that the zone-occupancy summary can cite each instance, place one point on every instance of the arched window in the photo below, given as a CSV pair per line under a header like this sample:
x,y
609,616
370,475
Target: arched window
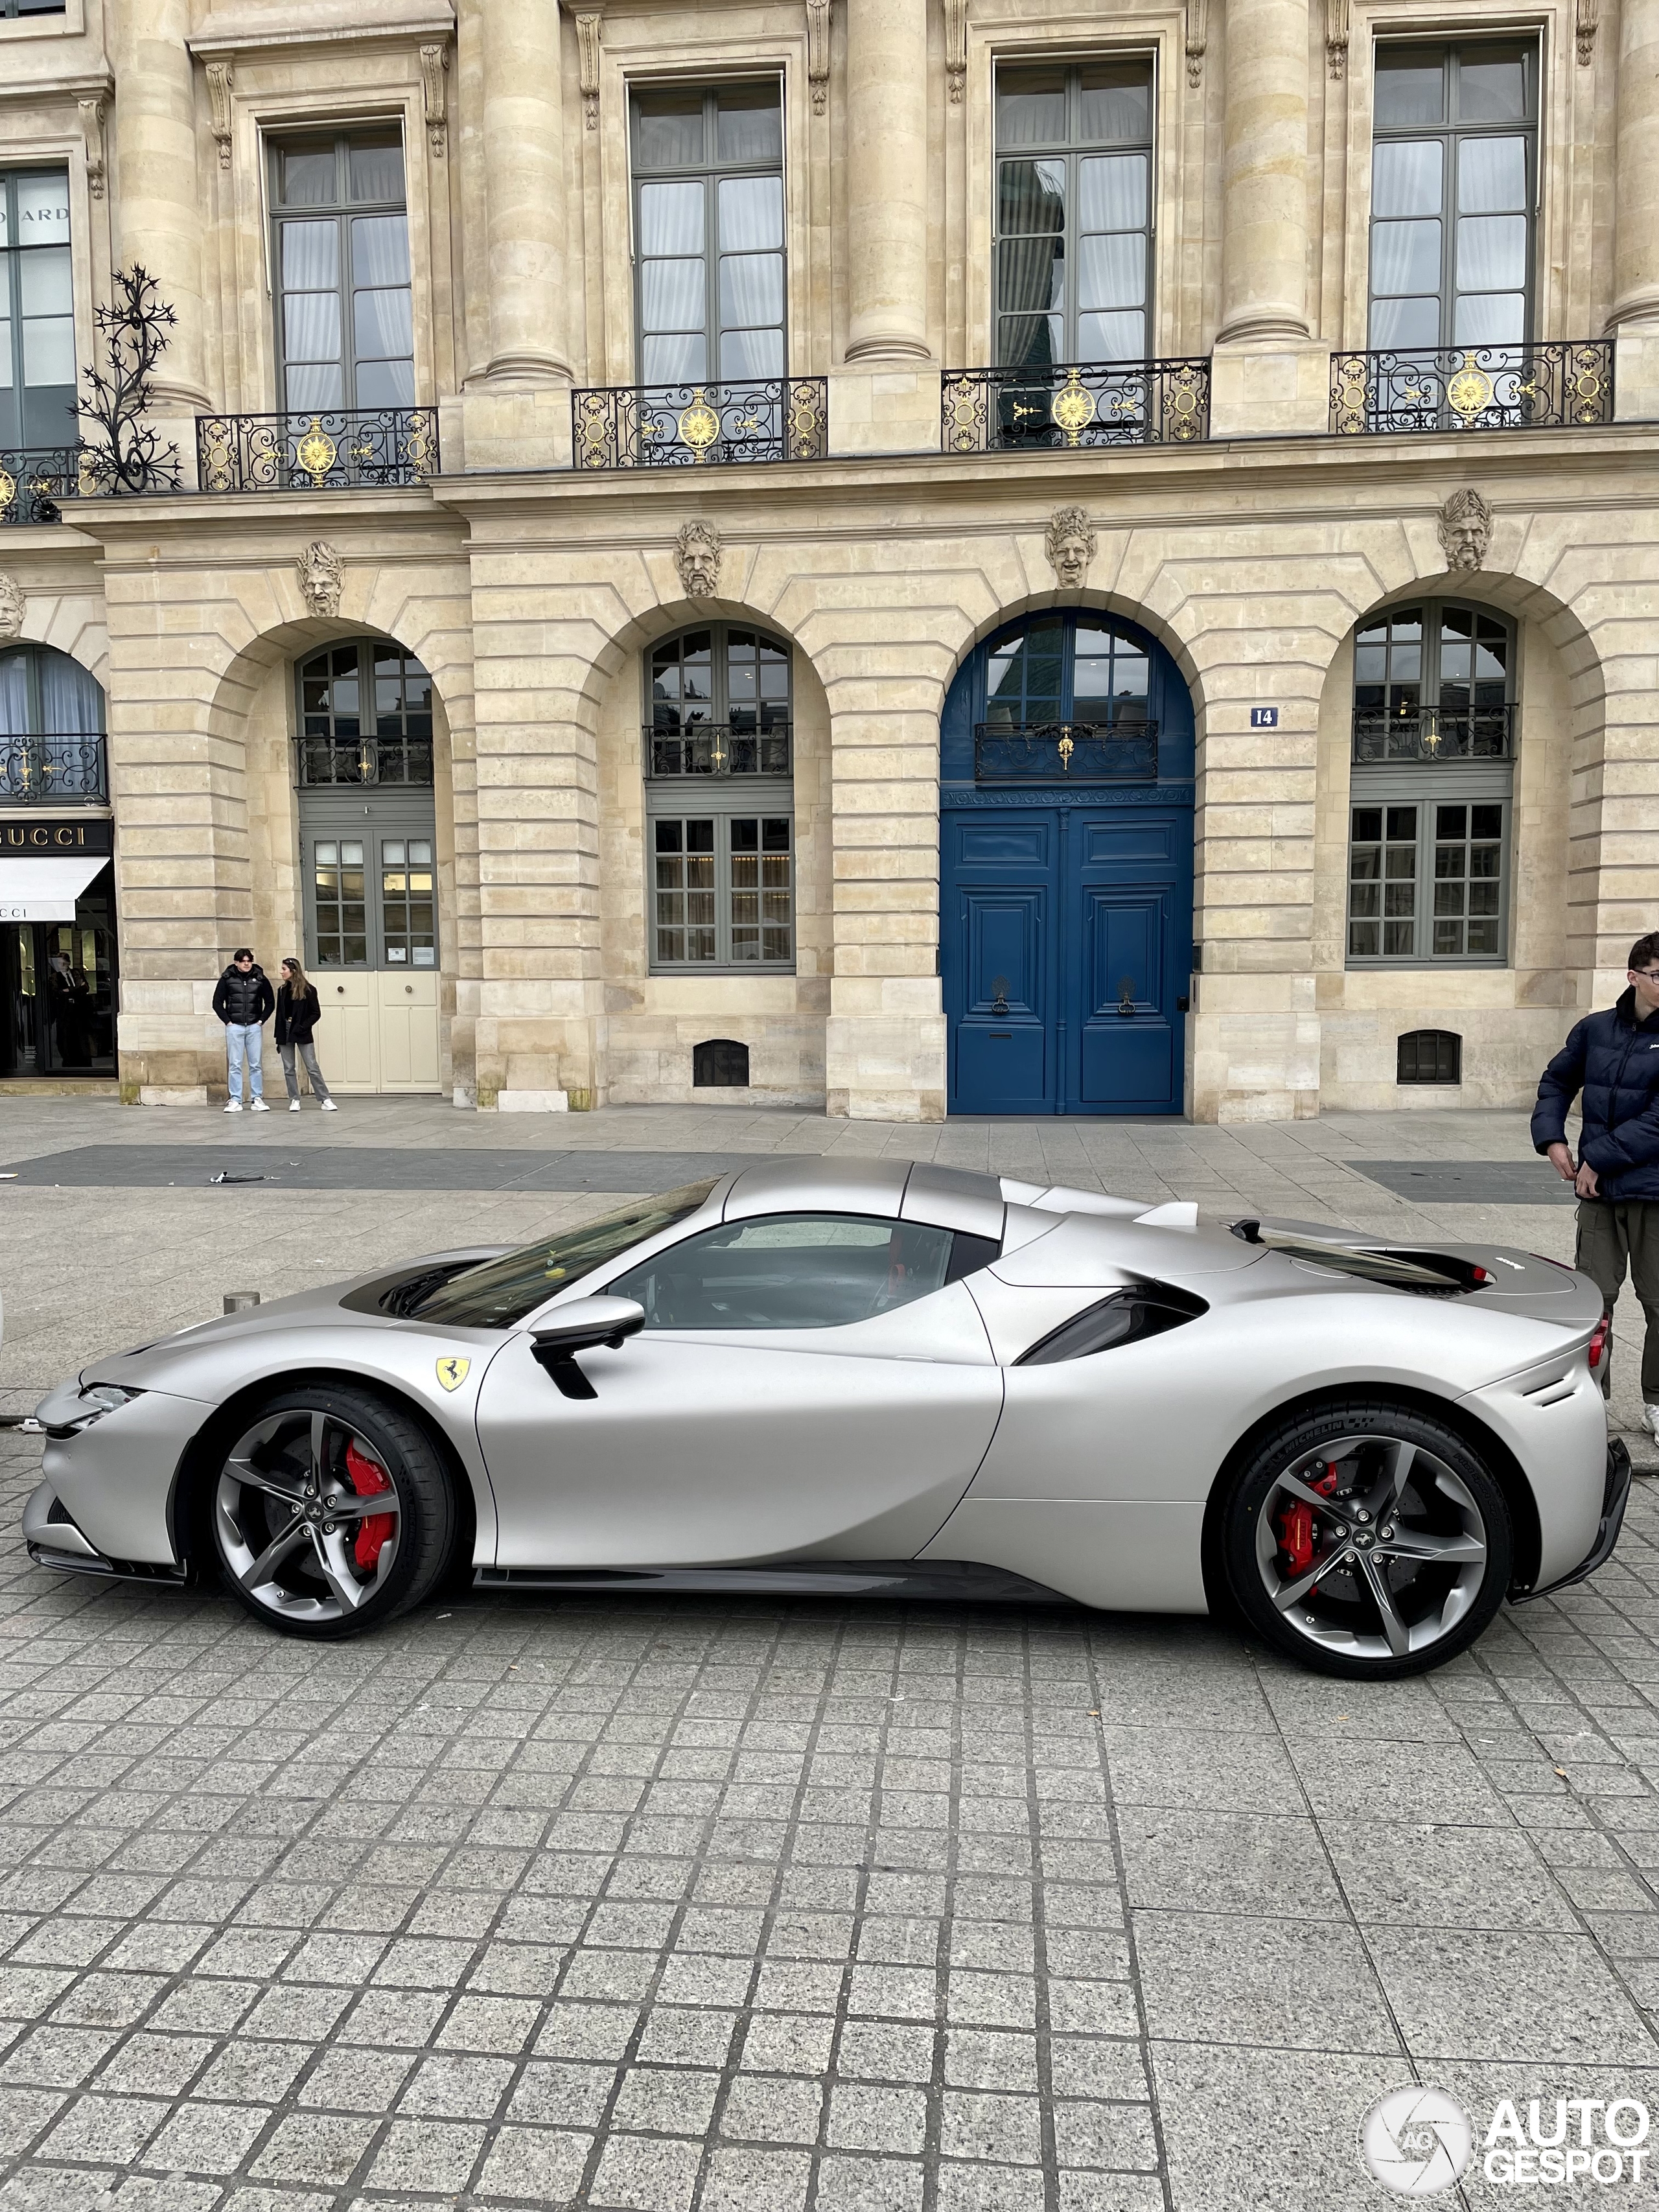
x,y
51,725
365,715
720,801
1430,797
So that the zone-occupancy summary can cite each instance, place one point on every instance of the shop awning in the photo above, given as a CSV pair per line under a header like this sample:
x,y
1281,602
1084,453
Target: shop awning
x,y
45,890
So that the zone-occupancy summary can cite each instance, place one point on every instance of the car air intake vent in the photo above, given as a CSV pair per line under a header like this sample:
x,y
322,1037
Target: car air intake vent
x,y
1126,1316
408,1296
1430,1274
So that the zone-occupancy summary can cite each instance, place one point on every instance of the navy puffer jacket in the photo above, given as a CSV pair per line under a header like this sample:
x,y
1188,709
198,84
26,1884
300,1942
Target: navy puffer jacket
x,y
1614,1060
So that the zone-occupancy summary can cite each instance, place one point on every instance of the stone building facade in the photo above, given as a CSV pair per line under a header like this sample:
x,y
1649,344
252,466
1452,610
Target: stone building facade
x,y
1188,473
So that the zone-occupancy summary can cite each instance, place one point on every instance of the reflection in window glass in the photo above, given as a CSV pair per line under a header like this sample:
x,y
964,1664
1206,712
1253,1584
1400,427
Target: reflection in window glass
x,y
789,1271
1451,239
711,276
345,315
1075,219
1067,669
38,372
341,905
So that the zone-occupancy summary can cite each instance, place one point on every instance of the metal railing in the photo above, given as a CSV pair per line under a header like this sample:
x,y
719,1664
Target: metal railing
x,y
1560,384
1143,403
779,418
326,761
716,749
33,479
1065,752
333,451
38,771
1434,733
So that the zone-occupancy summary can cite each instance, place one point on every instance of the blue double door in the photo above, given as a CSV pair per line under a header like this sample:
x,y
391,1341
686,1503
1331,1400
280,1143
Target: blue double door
x,y
1066,956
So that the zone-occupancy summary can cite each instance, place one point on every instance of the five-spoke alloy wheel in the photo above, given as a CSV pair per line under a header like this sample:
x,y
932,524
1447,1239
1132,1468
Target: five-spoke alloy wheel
x,y
330,1513
1367,1539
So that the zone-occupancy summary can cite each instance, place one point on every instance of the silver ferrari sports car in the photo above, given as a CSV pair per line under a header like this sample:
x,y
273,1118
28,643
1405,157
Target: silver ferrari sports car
x,y
818,1377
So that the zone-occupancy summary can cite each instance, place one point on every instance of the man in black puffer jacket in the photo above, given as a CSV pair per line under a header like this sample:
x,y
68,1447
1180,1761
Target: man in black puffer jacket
x,y
243,1001
1612,1059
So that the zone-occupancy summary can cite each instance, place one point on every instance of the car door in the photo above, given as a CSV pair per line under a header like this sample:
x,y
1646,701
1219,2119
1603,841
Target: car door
x,y
806,1385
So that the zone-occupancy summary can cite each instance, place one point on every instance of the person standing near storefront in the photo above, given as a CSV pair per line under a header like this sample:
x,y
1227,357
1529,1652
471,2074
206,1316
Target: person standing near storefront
x,y
1612,1059
298,1013
244,1002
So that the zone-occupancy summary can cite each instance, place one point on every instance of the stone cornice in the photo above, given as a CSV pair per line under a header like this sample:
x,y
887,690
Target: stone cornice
x,y
229,31
41,92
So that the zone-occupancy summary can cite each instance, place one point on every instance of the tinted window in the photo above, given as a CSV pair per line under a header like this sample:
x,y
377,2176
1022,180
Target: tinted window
x,y
499,1294
797,1271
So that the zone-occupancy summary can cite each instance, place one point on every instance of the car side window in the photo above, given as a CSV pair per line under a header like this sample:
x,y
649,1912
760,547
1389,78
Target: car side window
x,y
797,1271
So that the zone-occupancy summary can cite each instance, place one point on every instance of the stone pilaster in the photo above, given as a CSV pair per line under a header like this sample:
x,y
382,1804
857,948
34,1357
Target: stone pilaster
x,y
158,199
1269,376
887,183
1634,321
517,410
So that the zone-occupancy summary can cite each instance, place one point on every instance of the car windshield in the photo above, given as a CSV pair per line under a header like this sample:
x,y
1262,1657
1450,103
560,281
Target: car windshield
x,y
500,1293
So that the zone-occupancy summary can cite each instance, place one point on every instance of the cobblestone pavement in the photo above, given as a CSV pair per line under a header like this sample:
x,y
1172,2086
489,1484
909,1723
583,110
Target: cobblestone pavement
x,y
693,1905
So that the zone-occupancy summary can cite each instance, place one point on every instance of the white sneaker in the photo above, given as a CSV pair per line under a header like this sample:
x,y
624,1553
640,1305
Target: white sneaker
x,y
1651,1415
259,1107
329,1107
293,1105
234,1106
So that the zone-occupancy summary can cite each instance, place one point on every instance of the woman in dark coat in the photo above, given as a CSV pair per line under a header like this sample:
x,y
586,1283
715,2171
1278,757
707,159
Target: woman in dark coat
x,y
297,1015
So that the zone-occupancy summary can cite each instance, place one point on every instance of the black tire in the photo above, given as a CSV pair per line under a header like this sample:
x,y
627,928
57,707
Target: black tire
x,y
1399,1590
254,1494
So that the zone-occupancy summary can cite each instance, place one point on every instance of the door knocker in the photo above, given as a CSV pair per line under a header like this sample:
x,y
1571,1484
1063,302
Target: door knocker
x,y
1125,994
999,997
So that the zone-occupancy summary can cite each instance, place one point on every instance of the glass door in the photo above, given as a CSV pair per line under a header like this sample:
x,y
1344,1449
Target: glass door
x,y
59,982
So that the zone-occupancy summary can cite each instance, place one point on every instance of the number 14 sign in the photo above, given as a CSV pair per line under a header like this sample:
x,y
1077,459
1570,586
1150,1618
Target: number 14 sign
x,y
1264,718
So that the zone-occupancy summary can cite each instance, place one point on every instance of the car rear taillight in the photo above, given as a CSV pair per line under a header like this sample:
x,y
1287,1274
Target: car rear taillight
x,y
1598,1343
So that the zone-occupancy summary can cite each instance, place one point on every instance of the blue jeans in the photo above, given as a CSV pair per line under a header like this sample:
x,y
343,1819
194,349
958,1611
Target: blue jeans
x,y
244,1040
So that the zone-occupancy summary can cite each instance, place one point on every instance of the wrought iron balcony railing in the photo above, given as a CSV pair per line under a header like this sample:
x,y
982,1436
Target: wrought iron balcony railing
x,y
38,770
324,761
1434,733
1065,752
33,479
1561,385
717,749
1142,402
334,451
675,426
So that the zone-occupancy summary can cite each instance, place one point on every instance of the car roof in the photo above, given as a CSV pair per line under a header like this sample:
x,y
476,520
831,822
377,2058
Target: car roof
x,y
892,1190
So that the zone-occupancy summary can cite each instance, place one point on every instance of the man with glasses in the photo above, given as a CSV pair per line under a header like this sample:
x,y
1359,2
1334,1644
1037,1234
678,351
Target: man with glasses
x,y
1611,1063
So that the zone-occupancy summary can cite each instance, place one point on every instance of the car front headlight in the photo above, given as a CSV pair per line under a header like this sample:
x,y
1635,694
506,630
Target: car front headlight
x,y
62,1415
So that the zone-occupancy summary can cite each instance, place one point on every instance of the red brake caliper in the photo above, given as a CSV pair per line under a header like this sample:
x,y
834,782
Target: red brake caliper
x,y
368,1479
1296,1524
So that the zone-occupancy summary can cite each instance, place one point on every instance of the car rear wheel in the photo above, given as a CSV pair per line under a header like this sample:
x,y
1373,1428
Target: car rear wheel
x,y
331,1513
1366,1539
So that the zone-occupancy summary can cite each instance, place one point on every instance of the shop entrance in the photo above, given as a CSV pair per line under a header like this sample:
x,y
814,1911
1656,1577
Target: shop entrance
x,y
59,983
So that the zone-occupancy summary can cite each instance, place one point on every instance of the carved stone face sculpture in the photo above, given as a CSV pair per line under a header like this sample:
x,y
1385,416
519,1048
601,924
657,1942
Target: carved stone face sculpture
x,y
1071,546
698,558
11,609
1465,529
322,576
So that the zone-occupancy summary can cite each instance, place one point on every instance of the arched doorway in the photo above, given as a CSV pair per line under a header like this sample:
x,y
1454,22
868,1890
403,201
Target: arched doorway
x,y
368,861
1065,803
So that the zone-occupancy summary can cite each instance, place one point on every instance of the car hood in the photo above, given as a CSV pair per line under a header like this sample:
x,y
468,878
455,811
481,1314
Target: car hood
x,y
145,1365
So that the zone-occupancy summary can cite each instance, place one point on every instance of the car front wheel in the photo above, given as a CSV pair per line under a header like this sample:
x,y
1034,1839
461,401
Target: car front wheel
x,y
1366,1539
331,1513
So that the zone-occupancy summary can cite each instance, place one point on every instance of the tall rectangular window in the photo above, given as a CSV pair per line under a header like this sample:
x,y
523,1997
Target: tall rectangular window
x,y
1074,213
1454,171
345,320
708,233
722,891
37,310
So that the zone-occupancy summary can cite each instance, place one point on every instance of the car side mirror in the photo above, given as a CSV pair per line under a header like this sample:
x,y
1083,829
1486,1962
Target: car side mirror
x,y
578,1327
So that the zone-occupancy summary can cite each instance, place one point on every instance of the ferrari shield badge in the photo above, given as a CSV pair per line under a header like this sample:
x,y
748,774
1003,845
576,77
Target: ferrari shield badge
x,y
453,1372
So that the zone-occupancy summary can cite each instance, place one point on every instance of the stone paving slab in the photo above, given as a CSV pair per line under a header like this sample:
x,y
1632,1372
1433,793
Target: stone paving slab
x,y
702,1904
1471,1182
366,1167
